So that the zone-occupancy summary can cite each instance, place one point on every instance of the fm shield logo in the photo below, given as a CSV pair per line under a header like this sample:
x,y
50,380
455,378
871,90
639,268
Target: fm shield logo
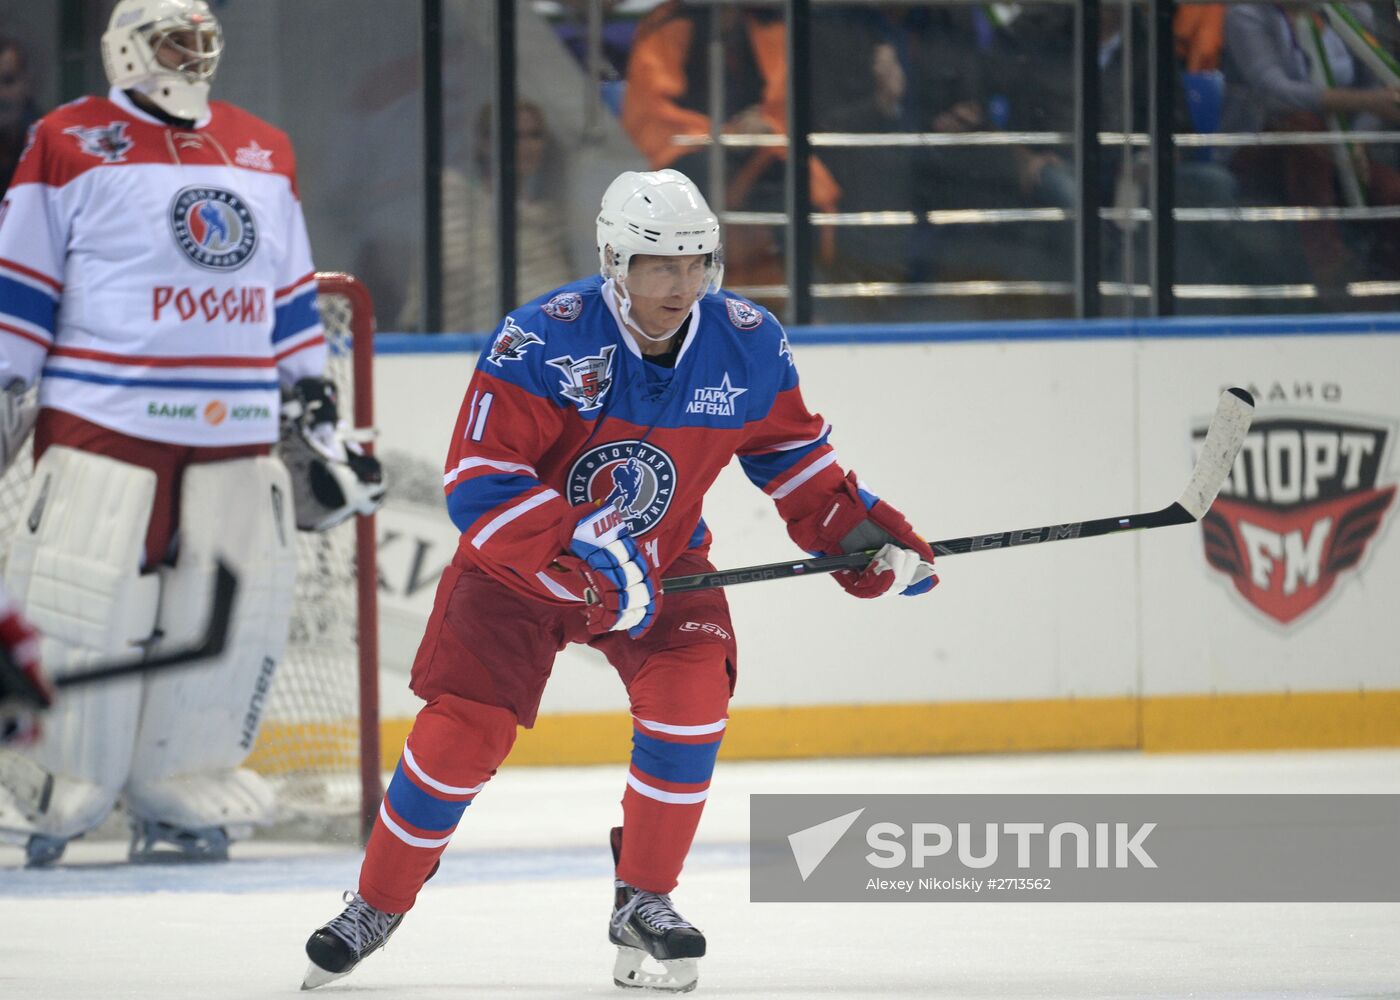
x,y
213,227
1299,509
638,478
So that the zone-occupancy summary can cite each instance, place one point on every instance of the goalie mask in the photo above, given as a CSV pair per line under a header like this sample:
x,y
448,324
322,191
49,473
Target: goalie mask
x,y
166,50
660,213
332,478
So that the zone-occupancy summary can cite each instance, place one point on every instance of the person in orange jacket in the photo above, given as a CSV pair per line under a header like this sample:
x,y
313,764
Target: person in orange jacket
x,y
668,96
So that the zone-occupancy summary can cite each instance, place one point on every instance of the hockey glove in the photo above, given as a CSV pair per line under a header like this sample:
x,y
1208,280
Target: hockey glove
x,y
614,575
24,693
853,520
18,408
332,476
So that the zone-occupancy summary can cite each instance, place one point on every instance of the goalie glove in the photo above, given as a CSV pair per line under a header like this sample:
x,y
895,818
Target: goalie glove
x,y
24,694
18,408
332,476
854,520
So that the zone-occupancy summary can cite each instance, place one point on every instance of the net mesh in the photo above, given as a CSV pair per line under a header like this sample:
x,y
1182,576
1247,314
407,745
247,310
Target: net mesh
x,y
309,745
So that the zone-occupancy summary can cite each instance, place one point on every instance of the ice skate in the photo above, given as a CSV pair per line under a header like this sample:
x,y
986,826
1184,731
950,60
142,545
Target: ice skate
x,y
153,842
646,925
346,941
42,851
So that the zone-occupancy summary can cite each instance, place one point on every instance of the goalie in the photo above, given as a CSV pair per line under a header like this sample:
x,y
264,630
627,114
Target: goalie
x,y
156,285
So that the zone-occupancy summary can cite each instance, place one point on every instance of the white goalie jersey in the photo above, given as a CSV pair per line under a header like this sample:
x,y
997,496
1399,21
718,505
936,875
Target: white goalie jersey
x,y
155,280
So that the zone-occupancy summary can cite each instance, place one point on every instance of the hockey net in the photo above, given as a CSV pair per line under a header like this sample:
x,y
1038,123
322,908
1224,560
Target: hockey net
x,y
319,742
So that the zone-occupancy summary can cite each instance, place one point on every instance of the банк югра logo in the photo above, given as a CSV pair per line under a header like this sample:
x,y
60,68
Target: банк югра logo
x,y
1301,505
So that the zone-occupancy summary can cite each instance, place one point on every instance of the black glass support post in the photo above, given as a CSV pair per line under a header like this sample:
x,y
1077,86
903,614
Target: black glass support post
x,y
799,178
1162,67
503,155
1087,159
431,317
72,41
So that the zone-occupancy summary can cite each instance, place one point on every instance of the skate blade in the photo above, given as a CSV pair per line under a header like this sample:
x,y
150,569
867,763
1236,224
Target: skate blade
x,y
317,976
678,975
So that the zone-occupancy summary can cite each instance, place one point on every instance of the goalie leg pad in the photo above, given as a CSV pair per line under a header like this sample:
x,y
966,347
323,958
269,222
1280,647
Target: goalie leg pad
x,y
198,725
74,566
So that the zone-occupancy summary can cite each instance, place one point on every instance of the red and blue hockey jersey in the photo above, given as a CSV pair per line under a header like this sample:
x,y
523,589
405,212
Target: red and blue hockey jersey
x,y
158,280
563,410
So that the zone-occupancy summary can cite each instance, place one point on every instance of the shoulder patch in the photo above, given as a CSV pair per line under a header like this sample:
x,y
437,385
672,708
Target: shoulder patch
x,y
510,343
743,315
565,306
109,143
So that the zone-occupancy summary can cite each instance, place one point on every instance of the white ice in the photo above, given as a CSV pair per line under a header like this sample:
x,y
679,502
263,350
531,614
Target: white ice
x,y
520,907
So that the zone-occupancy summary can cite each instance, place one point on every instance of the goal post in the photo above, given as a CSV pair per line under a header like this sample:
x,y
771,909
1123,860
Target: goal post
x,y
319,743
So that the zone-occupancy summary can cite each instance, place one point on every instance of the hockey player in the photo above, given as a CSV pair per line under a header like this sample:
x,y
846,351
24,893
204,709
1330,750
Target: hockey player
x,y
156,284
595,422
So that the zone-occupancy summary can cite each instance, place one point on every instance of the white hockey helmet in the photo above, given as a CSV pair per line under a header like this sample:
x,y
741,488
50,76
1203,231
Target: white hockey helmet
x,y
658,212
167,50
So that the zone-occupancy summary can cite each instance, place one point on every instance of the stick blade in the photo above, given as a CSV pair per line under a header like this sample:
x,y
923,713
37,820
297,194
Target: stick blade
x,y
1224,439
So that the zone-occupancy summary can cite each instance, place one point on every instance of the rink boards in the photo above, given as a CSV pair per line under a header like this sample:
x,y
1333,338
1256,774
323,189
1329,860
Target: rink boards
x,y
1285,637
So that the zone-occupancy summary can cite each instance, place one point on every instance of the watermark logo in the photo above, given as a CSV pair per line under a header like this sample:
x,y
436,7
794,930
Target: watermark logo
x,y
1074,848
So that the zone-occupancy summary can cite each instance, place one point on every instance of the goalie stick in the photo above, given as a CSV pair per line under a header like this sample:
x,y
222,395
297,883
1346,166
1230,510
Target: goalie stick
x,y
1228,428
29,783
211,645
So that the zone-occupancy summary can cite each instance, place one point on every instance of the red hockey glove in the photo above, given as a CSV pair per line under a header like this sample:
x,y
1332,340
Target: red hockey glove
x,y
854,519
614,576
24,693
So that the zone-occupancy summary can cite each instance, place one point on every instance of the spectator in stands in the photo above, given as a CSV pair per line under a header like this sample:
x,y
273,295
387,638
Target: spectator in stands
x,y
469,227
18,110
1042,98
1200,34
667,96
912,70
1272,54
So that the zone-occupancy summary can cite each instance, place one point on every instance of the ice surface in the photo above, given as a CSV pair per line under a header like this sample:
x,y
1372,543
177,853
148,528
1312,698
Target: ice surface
x,y
520,907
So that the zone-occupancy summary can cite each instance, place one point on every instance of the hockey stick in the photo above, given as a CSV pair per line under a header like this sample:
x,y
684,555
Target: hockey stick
x,y
211,645
28,782
1223,441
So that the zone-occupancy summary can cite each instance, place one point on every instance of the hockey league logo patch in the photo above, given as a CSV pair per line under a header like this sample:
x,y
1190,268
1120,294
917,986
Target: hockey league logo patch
x,y
587,380
566,306
1300,509
213,227
510,344
109,143
743,315
638,477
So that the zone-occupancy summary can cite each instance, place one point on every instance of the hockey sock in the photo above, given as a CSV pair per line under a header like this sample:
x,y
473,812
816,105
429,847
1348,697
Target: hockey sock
x,y
679,700
453,750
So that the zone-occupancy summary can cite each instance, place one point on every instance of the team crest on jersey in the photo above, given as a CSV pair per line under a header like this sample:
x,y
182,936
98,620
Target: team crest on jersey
x,y
566,306
109,143
587,380
213,227
743,315
510,343
1302,504
637,477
